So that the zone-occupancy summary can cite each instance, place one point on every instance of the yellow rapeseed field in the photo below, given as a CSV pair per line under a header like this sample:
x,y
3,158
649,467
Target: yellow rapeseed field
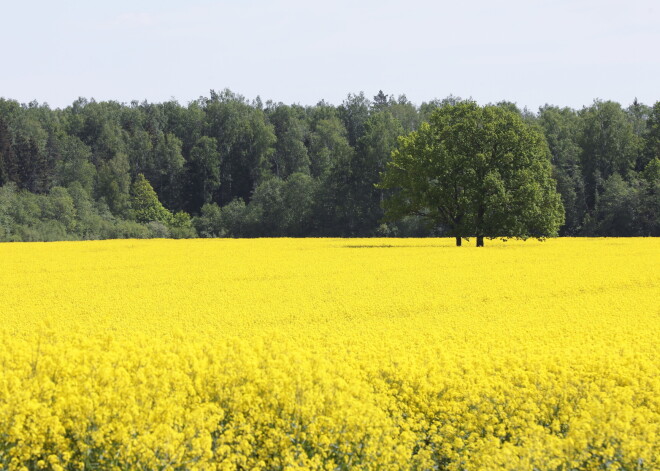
x,y
330,354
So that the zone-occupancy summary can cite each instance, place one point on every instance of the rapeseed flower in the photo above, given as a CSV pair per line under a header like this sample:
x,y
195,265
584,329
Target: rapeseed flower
x,y
330,354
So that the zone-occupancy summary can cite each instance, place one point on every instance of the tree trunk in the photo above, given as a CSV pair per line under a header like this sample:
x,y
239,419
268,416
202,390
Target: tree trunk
x,y
480,241
458,241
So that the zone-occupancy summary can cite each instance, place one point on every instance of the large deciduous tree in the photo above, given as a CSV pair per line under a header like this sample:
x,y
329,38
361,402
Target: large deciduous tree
x,y
478,172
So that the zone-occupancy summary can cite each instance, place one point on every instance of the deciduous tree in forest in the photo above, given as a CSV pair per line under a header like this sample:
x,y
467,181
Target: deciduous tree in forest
x,y
203,172
245,142
290,155
652,145
8,170
477,171
114,183
561,127
608,145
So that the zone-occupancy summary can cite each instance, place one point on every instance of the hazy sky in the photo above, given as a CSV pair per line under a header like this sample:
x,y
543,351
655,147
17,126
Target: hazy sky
x,y
295,51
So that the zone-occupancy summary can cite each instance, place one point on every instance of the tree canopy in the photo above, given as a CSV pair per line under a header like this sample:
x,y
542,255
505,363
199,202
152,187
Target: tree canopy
x,y
226,166
479,171
145,204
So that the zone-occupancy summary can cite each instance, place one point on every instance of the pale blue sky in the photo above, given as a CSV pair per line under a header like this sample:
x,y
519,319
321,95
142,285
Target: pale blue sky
x,y
529,51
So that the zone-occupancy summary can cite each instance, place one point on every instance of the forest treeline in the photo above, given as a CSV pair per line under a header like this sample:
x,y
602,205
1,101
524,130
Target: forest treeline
x,y
224,166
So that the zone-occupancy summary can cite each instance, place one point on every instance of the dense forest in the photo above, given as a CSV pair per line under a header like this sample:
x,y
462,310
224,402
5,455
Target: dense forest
x,y
224,166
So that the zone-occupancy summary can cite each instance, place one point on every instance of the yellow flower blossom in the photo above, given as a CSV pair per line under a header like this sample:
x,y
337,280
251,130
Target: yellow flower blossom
x,y
330,354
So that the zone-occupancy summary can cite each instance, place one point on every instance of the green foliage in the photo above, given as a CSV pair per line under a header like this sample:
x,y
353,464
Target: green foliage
x,y
113,184
7,157
242,168
380,139
561,129
181,226
166,169
652,142
209,221
281,208
245,141
328,145
75,164
290,154
652,171
618,207
204,171
59,206
608,145
145,205
354,112
476,171
298,197
235,219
